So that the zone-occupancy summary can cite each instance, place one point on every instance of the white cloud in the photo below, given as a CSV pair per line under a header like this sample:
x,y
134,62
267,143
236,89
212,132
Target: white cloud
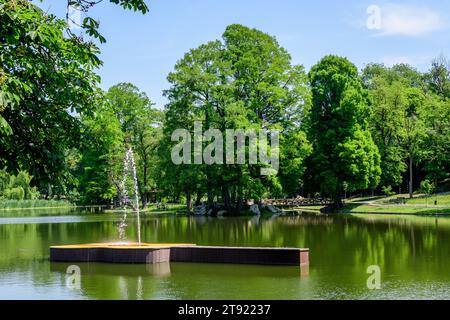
x,y
410,20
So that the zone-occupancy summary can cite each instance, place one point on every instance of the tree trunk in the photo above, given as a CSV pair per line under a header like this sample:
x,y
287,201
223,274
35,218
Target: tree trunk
x,y
145,194
144,198
239,200
226,198
410,176
198,201
188,202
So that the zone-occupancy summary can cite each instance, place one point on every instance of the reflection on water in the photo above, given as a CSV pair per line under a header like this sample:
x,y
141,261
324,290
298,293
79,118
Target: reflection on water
x,y
412,252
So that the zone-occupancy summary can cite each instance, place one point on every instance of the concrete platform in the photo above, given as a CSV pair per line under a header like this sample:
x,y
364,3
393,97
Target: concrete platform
x,y
147,253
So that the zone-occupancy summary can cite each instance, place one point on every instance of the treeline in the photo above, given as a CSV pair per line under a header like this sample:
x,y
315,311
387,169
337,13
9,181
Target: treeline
x,y
343,130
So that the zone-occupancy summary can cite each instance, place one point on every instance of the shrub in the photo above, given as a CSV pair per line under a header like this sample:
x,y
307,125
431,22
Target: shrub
x,y
427,187
17,187
388,191
14,193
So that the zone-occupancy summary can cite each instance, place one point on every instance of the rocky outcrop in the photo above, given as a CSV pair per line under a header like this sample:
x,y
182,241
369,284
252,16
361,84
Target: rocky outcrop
x,y
254,208
273,209
200,210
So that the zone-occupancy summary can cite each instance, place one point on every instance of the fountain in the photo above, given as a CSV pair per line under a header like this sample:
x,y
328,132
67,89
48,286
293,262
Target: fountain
x,y
129,163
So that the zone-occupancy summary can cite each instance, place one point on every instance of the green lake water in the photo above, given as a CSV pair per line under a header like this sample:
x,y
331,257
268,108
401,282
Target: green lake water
x,y
413,254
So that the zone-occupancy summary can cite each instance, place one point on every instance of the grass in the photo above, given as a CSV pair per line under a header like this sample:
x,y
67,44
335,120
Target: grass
x,y
442,200
307,208
383,205
33,204
152,209
364,199
352,208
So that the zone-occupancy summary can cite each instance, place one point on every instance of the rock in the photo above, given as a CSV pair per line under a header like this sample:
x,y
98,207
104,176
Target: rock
x,y
221,213
255,209
200,210
273,209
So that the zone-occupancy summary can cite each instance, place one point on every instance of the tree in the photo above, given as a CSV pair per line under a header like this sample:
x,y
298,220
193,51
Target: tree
x,y
388,93
246,81
343,149
413,131
439,77
142,128
45,79
17,187
428,188
435,142
409,124
101,162
295,148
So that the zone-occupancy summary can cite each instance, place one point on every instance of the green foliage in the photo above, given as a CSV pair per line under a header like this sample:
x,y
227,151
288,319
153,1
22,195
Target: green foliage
x,y
341,133
142,129
45,78
16,193
101,161
388,93
411,120
435,143
244,82
387,191
344,151
439,77
17,187
427,187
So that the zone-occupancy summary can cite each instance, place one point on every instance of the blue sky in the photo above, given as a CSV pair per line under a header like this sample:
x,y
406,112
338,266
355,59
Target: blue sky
x,y
143,49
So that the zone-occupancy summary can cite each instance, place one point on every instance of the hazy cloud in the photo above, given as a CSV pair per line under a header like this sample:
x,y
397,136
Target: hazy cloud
x,y
410,20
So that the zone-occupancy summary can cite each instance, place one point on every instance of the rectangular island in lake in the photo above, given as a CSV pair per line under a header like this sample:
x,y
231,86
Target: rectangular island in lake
x,y
157,253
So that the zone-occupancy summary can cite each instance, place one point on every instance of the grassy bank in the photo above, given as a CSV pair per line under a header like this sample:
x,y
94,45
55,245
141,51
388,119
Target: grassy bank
x,y
442,200
353,208
33,204
153,209
420,205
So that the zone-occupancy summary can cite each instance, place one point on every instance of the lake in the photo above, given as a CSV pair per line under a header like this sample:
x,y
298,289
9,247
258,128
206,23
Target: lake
x,y
413,254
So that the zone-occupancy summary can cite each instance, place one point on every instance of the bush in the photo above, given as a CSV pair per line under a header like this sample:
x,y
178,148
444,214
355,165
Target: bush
x,y
17,187
427,187
14,193
388,191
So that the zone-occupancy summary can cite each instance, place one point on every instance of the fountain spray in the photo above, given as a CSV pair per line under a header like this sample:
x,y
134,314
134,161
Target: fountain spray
x,y
129,160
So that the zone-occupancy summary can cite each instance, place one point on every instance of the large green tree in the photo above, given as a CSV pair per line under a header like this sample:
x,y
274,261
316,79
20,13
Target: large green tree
x,y
102,153
409,122
246,81
47,78
344,154
388,91
142,128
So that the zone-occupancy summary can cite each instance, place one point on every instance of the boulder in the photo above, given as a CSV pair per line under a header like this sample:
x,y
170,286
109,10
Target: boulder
x,y
273,209
221,213
255,209
200,210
